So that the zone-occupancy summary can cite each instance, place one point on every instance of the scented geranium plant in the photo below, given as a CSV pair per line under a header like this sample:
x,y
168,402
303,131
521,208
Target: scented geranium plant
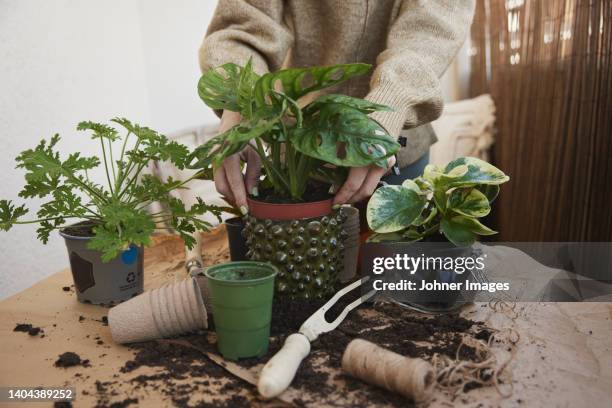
x,y
114,215
296,143
445,200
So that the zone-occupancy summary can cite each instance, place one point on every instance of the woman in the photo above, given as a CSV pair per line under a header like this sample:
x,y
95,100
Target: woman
x,y
410,43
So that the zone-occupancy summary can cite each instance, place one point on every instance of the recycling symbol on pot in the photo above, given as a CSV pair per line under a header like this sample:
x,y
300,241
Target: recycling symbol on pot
x,y
131,277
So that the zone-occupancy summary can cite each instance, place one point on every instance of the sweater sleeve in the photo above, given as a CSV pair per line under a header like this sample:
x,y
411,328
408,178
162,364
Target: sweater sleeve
x,y
243,29
420,45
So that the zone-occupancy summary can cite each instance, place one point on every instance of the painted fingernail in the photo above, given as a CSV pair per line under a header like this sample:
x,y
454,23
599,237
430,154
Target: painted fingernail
x,y
335,206
255,191
244,210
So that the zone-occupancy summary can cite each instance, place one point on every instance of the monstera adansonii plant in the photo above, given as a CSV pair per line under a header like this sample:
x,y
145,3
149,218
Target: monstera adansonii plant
x,y
444,200
296,143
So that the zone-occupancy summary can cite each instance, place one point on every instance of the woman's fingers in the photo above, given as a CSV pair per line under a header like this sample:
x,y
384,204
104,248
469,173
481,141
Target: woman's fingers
x,y
353,183
221,184
370,183
233,174
253,170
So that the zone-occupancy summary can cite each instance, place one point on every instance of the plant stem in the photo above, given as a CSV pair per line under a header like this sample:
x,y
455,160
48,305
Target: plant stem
x,y
269,168
131,180
92,193
90,210
130,164
110,185
291,169
51,219
124,144
112,162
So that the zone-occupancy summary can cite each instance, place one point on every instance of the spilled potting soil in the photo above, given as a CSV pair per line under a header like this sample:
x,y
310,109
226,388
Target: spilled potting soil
x,y
28,328
188,378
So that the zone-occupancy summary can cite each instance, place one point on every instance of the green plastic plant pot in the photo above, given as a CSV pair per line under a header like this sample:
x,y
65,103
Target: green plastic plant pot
x,y
242,294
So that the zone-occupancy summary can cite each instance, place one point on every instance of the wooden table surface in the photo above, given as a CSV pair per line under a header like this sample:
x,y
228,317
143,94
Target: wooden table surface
x,y
564,359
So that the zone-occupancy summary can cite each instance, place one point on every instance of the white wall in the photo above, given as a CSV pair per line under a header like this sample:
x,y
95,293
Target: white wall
x,y
172,32
64,61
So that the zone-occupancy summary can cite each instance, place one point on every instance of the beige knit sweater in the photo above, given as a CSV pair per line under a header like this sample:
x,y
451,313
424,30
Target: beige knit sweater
x,y
409,42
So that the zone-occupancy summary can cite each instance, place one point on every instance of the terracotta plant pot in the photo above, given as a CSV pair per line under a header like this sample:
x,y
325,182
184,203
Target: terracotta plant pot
x,y
100,282
304,241
279,212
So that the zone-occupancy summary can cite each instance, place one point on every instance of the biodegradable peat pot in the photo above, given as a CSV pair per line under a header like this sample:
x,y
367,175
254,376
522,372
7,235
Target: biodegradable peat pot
x,y
430,301
305,242
103,283
237,243
242,294
171,310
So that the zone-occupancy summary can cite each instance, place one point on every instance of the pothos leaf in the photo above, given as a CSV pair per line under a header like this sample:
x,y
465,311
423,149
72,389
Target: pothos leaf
x,y
456,232
491,191
474,225
470,171
344,136
469,202
426,216
462,230
393,208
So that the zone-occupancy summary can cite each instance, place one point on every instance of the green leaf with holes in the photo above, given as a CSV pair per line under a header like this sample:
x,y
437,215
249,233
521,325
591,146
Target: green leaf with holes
x,y
229,87
393,208
297,82
362,105
345,136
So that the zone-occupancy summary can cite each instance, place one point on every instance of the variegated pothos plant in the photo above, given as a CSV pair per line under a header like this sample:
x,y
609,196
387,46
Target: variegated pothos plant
x,y
444,200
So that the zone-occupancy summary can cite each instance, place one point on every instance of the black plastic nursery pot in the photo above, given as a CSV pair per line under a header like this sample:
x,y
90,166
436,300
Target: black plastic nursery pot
x,y
104,283
304,241
236,240
424,300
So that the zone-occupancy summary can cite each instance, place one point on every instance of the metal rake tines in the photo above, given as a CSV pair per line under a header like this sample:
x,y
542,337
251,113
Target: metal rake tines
x,y
318,318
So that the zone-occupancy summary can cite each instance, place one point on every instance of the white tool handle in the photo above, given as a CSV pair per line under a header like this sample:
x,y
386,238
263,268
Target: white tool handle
x,y
278,373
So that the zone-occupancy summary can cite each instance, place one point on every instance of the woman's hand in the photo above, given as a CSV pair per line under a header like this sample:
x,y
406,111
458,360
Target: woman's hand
x,y
361,183
229,180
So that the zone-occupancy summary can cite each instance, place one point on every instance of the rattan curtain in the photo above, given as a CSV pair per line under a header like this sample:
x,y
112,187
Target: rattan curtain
x,y
547,64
